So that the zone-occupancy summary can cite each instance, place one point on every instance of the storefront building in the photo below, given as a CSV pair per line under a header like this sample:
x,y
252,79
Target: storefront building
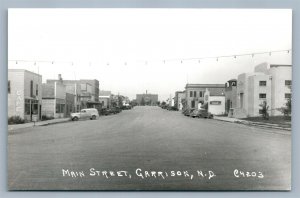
x,y
24,94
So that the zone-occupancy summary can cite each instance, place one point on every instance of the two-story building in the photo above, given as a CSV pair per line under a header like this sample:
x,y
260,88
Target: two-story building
x,y
54,100
194,93
147,99
269,83
179,99
86,92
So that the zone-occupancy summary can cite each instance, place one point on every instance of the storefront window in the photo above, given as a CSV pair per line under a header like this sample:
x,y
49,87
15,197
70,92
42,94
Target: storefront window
x,y
35,109
27,107
60,108
57,108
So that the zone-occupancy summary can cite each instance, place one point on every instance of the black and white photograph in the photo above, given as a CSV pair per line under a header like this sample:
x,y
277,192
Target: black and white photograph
x,y
149,99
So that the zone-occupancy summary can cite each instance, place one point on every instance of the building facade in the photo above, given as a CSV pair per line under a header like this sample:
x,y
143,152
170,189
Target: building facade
x,y
215,102
194,93
179,99
147,99
281,86
24,94
270,84
54,99
230,96
86,92
105,99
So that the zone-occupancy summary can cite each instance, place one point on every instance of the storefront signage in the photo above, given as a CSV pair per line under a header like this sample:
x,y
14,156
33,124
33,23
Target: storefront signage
x,y
215,102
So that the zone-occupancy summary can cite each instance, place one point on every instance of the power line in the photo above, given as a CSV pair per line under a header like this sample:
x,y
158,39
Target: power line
x,y
164,61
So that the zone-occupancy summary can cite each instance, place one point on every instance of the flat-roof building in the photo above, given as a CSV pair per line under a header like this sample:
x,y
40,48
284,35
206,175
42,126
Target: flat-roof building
x,y
24,94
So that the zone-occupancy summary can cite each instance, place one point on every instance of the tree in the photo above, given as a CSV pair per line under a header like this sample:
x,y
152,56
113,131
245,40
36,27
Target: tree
x,y
287,109
163,103
158,103
264,110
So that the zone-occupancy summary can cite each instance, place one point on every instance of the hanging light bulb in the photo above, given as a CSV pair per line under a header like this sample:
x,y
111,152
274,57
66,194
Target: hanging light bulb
x,y
181,61
16,62
52,62
164,61
252,55
288,51
217,59
199,61
270,53
234,56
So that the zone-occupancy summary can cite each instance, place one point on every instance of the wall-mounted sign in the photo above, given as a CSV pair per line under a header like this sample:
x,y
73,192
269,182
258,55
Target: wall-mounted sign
x,y
215,102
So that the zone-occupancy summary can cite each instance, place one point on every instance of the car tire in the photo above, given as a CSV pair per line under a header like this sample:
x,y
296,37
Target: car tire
x,y
75,119
93,117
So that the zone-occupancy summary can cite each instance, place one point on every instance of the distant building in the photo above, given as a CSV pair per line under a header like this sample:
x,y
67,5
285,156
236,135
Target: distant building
x,y
147,99
179,99
86,92
268,83
105,99
24,94
194,97
230,96
94,88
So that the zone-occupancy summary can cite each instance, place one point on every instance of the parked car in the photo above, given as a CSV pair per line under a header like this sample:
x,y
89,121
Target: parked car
x,y
126,107
115,110
201,113
171,108
105,112
90,113
188,112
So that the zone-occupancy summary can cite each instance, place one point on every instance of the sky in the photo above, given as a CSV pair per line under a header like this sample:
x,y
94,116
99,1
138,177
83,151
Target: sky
x,y
133,50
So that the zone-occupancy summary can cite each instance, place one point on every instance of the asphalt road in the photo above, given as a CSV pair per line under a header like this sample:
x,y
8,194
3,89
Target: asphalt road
x,y
148,148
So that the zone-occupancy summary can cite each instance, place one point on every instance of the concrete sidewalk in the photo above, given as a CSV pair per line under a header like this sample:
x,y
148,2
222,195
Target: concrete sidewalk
x,y
227,119
250,123
40,123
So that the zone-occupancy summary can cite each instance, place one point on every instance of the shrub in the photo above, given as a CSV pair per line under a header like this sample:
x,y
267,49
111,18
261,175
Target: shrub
x,y
15,120
264,110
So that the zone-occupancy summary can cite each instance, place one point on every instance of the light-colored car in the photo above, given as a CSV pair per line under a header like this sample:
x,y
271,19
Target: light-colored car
x,y
90,113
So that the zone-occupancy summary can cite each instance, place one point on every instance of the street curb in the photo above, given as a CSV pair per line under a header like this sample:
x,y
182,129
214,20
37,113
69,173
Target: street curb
x,y
38,124
260,125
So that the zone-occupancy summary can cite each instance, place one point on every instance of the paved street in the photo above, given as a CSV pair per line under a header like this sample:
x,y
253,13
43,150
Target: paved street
x,y
185,153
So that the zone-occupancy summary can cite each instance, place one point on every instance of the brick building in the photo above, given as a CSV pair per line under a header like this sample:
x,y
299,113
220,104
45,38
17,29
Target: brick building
x,y
194,97
147,99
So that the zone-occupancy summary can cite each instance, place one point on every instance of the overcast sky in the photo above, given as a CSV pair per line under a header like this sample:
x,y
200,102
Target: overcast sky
x,y
125,48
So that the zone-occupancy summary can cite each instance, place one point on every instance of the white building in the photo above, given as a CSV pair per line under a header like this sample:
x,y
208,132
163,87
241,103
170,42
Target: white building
x,y
281,86
24,94
215,102
268,83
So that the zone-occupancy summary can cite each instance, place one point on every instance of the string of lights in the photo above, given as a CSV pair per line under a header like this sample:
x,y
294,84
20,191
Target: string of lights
x,y
164,61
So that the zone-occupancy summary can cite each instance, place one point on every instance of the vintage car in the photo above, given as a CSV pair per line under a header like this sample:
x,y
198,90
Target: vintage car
x,y
90,113
201,113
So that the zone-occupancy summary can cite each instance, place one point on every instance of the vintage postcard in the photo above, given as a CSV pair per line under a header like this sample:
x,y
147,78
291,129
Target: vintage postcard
x,y
149,99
